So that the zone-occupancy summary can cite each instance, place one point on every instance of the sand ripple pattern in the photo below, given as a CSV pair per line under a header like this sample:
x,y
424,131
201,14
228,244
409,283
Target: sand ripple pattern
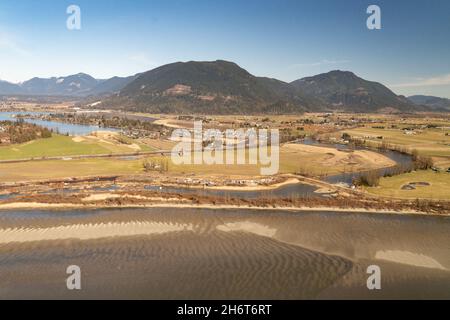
x,y
222,254
184,265
88,231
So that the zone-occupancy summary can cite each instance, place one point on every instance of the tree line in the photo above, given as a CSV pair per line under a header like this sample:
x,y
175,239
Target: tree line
x,y
20,132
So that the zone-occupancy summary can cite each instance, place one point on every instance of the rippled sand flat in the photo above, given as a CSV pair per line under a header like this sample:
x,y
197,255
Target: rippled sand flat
x,y
222,254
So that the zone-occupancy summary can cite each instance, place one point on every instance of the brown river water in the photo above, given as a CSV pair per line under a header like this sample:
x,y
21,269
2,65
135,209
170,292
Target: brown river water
x,y
169,253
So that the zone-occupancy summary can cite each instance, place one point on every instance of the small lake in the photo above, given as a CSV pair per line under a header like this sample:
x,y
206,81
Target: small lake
x,y
62,128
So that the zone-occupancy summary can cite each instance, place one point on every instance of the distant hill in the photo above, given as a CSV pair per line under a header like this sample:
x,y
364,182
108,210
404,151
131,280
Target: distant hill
x,y
74,85
7,88
432,102
78,85
113,85
343,90
209,87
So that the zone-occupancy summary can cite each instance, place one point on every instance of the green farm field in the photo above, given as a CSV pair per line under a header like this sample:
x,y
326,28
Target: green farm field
x,y
59,145
438,188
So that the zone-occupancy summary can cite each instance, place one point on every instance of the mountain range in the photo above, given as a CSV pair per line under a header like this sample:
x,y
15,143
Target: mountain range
x,y
209,87
223,87
344,90
78,85
434,103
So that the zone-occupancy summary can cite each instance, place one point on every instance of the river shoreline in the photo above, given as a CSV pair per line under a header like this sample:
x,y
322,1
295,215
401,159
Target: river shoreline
x,y
289,194
10,207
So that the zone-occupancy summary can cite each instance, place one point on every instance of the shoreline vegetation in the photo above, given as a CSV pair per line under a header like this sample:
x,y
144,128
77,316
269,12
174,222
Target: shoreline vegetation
x,y
150,199
20,132
63,207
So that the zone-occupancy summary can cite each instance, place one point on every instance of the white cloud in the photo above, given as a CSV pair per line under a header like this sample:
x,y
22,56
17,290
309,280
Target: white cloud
x,y
8,42
319,63
425,82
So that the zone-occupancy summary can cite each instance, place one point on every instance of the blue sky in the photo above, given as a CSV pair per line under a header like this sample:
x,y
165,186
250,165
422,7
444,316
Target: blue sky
x,y
284,39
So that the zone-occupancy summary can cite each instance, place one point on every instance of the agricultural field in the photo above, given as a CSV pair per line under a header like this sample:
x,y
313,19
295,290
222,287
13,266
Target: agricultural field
x,y
321,161
426,185
58,169
428,142
158,144
295,158
59,145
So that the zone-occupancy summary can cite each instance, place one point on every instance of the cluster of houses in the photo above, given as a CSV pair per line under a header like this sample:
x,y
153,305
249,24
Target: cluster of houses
x,y
227,182
412,131
248,183
137,133
196,182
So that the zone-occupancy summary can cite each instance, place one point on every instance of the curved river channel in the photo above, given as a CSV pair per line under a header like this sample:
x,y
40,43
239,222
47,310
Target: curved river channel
x,y
398,157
